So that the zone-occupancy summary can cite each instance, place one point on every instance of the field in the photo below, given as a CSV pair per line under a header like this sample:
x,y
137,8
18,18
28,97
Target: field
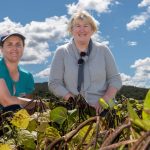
x,y
61,126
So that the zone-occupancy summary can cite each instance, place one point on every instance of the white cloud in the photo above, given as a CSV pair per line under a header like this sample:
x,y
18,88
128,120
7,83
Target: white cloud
x,y
43,74
141,77
7,24
38,35
125,77
144,3
100,6
36,54
137,21
132,43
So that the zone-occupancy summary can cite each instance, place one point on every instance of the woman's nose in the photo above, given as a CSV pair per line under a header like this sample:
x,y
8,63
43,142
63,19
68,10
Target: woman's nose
x,y
81,28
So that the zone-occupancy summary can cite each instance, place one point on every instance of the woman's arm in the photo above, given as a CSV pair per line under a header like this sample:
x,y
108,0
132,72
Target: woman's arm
x,y
56,77
110,93
113,77
6,99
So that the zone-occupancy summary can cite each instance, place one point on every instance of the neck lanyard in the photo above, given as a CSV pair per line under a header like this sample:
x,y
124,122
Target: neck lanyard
x,y
81,66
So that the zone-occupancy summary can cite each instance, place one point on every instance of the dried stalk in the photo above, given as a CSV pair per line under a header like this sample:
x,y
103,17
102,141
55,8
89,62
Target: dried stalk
x,y
97,130
146,144
139,142
114,134
116,145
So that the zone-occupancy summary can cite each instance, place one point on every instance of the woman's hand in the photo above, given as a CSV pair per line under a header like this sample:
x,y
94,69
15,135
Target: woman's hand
x,y
98,108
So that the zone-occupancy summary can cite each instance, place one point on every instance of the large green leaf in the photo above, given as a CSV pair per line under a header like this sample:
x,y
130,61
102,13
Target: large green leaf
x,y
132,113
146,107
26,140
145,124
58,115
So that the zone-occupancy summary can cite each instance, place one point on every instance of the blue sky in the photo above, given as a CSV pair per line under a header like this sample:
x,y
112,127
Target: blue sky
x,y
124,25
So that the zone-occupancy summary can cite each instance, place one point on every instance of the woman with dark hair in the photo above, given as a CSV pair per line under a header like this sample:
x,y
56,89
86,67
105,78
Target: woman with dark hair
x,y
16,84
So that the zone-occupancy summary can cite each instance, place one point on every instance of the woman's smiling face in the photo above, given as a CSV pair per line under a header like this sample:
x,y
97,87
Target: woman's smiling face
x,y
13,49
82,31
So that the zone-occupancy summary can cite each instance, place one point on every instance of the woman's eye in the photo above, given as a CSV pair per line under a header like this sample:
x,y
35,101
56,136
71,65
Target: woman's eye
x,y
77,26
86,25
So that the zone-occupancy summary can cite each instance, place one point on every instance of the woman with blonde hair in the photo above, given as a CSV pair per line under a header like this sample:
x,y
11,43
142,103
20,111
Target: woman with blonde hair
x,y
84,66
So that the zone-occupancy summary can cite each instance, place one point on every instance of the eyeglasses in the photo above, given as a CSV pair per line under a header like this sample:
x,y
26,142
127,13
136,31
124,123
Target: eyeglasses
x,y
81,60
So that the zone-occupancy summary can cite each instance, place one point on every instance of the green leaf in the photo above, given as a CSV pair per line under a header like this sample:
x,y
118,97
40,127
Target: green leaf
x,y
146,107
21,119
132,113
58,115
145,124
26,140
72,118
32,125
79,136
52,133
42,127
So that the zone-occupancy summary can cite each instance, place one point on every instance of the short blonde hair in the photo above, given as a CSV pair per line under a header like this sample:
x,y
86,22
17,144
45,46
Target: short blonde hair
x,y
85,16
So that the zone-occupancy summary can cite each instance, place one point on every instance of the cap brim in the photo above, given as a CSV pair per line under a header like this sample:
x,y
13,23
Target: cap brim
x,y
16,34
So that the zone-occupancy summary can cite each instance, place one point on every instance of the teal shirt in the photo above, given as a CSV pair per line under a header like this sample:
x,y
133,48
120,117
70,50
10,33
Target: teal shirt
x,y
25,84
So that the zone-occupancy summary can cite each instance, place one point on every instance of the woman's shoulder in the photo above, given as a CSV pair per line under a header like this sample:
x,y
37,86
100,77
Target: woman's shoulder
x,y
101,47
63,47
